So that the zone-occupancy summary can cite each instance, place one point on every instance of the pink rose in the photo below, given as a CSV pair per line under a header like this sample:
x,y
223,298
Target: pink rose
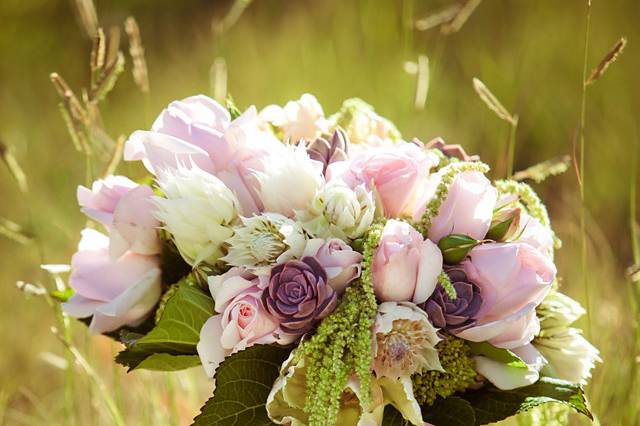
x,y
397,175
467,210
126,210
116,292
535,234
242,320
340,261
100,202
405,266
513,279
199,130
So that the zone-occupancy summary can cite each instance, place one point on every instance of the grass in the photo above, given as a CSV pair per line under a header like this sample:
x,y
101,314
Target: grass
x,y
529,53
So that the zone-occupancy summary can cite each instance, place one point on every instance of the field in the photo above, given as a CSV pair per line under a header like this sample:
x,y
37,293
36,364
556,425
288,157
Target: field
x,y
530,55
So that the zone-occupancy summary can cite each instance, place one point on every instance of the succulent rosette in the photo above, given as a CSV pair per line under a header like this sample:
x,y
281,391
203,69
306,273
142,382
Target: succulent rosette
x,y
325,271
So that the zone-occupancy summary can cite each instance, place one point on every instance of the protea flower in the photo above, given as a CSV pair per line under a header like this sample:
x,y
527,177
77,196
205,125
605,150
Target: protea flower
x,y
264,240
405,341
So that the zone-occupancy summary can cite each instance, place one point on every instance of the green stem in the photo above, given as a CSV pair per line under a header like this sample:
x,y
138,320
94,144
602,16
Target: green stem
x,y
512,146
583,207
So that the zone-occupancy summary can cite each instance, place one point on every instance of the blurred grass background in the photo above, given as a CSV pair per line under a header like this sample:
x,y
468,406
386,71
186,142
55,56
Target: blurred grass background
x,y
529,54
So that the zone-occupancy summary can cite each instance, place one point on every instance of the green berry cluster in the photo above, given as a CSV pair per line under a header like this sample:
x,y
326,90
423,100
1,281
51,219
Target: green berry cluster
x,y
449,173
458,373
446,284
342,345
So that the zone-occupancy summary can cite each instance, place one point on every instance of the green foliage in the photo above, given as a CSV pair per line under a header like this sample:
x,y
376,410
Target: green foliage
x,y
490,404
503,356
176,333
243,382
458,373
342,344
234,111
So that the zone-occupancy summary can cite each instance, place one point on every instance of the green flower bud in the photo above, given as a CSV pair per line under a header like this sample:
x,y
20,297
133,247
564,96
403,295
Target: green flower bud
x,y
455,247
505,224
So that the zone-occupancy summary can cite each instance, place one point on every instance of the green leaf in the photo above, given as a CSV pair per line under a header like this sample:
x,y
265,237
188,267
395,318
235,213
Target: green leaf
x,y
452,411
455,247
168,362
176,334
492,404
243,383
503,356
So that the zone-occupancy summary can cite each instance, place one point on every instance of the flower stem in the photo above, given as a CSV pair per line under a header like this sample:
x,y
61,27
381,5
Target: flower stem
x,y
512,146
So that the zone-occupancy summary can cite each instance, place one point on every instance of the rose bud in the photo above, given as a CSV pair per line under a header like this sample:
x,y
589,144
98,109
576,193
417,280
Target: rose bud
x,y
504,225
455,247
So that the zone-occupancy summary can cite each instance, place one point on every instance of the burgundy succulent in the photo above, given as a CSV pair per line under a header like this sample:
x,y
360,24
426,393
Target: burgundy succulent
x,y
329,149
449,150
454,315
298,294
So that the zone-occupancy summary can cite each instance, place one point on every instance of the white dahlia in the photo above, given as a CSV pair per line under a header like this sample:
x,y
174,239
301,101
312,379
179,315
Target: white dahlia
x,y
197,210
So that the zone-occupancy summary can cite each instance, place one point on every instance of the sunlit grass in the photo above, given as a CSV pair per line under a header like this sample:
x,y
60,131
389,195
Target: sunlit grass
x,y
530,53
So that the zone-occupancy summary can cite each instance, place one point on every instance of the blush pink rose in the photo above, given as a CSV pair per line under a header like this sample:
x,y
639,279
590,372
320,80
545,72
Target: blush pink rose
x,y
535,234
396,174
242,320
199,130
115,292
513,279
339,260
126,210
405,266
467,210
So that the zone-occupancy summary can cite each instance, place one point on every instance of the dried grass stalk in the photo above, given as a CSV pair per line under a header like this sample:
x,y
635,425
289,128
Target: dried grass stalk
x,y
438,18
541,171
136,50
492,102
218,76
6,154
609,58
422,87
116,156
14,232
461,17
88,16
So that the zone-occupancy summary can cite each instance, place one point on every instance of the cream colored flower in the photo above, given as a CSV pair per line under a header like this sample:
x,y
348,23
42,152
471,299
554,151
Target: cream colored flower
x,y
364,125
300,119
264,240
569,355
338,211
285,403
404,341
289,180
197,210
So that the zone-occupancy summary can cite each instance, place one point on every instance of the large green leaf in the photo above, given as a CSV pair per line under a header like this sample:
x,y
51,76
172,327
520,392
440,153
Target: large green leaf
x,y
489,404
176,334
243,382
492,404
451,411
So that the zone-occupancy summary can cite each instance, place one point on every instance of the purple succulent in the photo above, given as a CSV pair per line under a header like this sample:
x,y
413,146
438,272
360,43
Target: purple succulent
x,y
329,149
299,295
454,315
449,150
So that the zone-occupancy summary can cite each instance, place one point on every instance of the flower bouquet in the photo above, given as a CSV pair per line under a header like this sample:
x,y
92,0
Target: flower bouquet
x,y
325,271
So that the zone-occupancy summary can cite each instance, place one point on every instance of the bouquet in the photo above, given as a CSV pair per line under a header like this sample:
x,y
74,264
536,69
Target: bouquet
x,y
323,270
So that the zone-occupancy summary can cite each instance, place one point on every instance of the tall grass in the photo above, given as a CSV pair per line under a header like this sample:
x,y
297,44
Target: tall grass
x,y
274,51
